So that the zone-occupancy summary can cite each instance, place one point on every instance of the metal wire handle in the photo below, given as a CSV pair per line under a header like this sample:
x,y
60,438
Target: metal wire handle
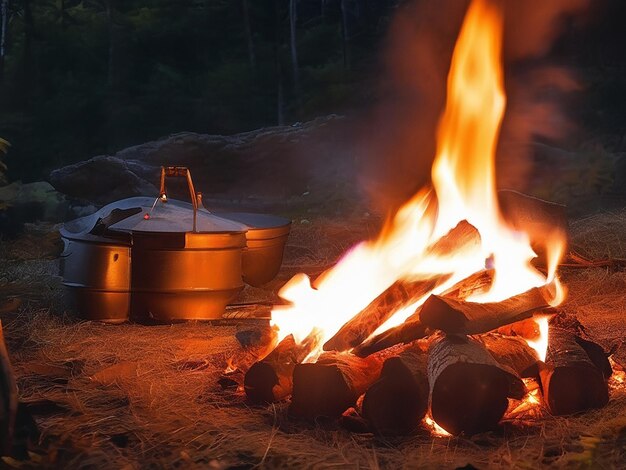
x,y
183,172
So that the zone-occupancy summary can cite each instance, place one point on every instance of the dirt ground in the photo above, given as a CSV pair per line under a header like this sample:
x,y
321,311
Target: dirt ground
x,y
131,396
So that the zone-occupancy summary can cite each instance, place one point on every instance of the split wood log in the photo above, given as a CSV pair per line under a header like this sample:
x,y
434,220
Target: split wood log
x,y
412,329
331,385
468,318
407,332
238,364
468,388
512,352
362,325
271,379
396,403
474,284
569,379
402,293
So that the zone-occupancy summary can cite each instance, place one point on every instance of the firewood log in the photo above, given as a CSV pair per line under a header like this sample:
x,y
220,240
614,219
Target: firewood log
x,y
512,352
271,379
461,317
396,403
407,332
331,385
362,325
570,381
412,328
468,388
401,293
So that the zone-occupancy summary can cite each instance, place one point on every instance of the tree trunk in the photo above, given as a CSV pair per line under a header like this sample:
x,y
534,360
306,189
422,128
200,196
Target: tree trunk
x,y
293,18
248,30
4,11
62,13
112,49
344,33
280,101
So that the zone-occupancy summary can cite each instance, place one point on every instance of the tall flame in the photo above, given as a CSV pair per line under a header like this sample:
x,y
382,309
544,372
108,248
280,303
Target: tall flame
x,y
464,188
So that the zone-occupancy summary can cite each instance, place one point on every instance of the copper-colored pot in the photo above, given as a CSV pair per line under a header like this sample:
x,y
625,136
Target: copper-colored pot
x,y
266,238
164,260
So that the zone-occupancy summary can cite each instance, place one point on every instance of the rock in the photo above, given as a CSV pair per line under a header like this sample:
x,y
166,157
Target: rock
x,y
104,179
269,164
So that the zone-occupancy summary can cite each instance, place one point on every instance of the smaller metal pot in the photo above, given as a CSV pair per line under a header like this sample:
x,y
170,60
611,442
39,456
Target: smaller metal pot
x,y
266,237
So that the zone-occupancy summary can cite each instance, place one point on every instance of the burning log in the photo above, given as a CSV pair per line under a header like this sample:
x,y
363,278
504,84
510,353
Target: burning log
x,y
362,325
412,328
512,352
407,332
462,237
396,403
331,385
468,318
271,379
570,381
468,388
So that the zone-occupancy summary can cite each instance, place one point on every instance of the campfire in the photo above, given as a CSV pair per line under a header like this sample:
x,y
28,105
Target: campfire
x,y
444,318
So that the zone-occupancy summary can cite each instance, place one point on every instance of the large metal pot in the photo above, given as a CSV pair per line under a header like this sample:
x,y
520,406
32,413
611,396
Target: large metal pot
x,y
164,260
266,238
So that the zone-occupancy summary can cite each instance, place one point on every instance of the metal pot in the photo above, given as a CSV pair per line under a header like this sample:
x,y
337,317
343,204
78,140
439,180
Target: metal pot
x,y
166,260
266,238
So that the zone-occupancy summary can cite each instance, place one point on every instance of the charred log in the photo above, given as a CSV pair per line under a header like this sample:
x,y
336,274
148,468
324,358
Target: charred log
x,y
460,317
362,325
331,385
469,390
569,379
402,293
396,403
412,328
512,352
271,379
407,332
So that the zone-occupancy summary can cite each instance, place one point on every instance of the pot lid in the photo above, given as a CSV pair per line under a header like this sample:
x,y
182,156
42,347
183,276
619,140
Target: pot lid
x,y
120,219
259,226
175,217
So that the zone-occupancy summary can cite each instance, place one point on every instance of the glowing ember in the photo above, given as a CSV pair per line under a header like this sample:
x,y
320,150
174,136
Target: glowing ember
x,y
435,429
463,188
618,379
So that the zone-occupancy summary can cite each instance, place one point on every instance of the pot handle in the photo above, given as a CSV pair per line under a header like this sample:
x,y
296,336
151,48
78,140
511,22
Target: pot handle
x,y
180,171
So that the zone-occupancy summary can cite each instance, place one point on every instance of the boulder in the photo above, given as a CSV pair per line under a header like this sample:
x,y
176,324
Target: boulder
x,y
313,159
104,179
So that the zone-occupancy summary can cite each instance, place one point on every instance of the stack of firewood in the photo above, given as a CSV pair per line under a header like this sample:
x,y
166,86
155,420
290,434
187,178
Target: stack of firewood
x,y
460,361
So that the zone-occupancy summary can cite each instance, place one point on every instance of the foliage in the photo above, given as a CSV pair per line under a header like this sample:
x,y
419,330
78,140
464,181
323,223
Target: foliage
x,y
87,77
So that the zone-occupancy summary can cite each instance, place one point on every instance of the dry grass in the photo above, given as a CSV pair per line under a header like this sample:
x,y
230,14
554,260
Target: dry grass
x,y
131,396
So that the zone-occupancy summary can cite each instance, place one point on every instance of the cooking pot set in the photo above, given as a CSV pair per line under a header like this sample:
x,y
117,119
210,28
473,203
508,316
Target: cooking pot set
x,y
163,260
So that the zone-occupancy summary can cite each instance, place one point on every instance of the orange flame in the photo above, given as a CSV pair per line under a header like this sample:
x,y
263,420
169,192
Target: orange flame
x,y
464,188
540,345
